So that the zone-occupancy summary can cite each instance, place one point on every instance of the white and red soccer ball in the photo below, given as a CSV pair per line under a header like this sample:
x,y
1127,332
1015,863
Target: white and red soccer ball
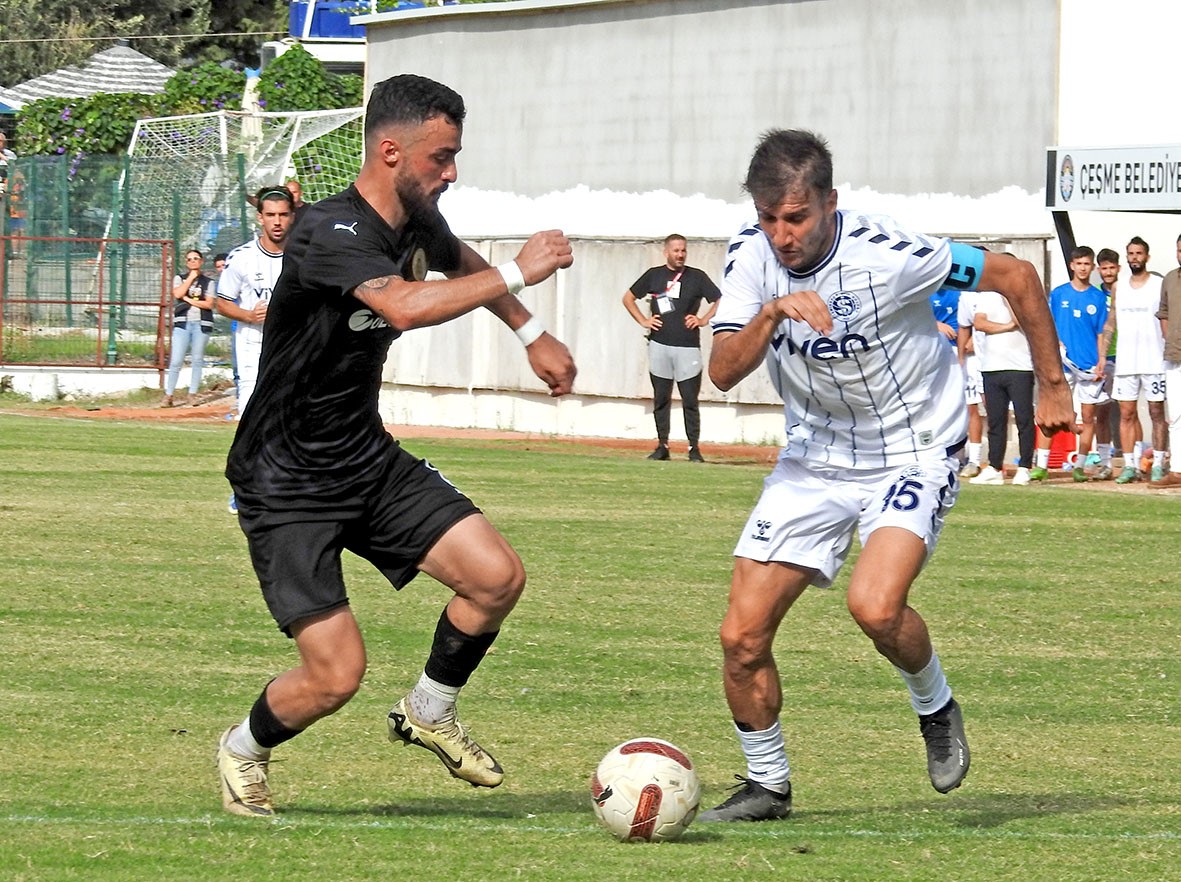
x,y
646,790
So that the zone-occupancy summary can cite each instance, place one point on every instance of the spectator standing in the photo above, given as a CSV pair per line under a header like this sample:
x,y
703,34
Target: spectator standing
x,y
1007,370
6,156
1170,304
192,323
1079,310
1107,413
969,345
1140,362
299,207
675,293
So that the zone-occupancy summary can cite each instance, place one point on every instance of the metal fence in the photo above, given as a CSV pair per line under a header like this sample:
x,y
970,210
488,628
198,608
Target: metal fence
x,y
85,301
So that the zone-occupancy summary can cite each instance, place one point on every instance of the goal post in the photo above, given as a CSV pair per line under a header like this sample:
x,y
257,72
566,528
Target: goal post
x,y
187,177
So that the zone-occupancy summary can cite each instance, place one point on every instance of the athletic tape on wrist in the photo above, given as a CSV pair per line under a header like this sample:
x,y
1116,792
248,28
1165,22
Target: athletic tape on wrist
x,y
514,279
530,331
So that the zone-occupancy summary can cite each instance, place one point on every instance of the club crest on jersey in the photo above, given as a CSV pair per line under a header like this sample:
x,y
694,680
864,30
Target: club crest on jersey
x,y
844,305
366,320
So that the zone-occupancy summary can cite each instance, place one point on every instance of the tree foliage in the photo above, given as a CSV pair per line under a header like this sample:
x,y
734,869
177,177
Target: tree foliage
x,y
297,80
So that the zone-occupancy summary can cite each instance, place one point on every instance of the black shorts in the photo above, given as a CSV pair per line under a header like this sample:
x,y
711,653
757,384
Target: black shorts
x,y
297,554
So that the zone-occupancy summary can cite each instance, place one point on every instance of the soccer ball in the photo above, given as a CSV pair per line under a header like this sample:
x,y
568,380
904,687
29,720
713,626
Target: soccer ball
x,y
646,790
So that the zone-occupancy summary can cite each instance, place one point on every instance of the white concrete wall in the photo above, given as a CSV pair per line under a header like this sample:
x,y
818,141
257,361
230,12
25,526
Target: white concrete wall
x,y
640,95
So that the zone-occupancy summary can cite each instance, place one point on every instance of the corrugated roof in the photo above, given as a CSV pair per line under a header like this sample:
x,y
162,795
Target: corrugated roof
x,y
118,69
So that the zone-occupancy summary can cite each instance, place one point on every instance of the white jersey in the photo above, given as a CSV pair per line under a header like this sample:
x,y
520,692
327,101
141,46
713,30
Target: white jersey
x,y
966,315
1008,350
883,390
1140,346
250,276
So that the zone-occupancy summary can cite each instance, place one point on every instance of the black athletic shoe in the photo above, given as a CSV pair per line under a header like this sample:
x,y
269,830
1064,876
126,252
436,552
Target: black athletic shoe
x,y
660,453
695,455
947,747
751,801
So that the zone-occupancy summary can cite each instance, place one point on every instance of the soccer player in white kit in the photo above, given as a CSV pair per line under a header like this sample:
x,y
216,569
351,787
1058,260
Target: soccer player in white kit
x,y
837,305
1139,362
246,284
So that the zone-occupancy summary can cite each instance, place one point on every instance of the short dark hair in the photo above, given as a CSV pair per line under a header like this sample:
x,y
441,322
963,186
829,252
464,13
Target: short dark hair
x,y
411,99
1081,251
786,159
1136,240
273,194
674,237
1107,255
221,255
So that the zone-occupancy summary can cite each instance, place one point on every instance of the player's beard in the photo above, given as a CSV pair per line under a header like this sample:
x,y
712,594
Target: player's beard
x,y
415,200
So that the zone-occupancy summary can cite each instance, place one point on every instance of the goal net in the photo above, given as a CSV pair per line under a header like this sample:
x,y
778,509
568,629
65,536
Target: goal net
x,y
187,177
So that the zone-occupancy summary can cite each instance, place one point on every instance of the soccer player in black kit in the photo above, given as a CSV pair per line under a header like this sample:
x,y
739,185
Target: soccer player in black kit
x,y
315,471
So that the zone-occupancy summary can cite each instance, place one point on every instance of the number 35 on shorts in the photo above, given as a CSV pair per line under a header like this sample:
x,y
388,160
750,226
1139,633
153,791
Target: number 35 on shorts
x,y
917,498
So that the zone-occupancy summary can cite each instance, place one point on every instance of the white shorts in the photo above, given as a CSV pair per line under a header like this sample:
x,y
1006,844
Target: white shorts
x,y
248,352
973,380
1087,390
1129,387
808,512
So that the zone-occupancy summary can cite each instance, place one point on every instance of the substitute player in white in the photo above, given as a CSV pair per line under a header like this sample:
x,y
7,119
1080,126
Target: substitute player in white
x,y
246,284
838,306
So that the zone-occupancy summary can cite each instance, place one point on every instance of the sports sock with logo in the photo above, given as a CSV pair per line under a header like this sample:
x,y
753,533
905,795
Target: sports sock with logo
x,y
928,688
766,756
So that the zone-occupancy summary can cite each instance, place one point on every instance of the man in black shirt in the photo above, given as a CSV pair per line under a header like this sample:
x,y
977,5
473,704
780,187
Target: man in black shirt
x,y
315,472
674,339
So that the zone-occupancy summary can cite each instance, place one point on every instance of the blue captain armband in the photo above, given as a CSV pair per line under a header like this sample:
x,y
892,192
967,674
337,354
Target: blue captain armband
x,y
967,265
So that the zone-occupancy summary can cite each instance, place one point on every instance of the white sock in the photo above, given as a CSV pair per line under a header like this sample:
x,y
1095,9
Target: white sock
x,y
1158,459
974,453
1137,453
766,757
928,688
1042,458
241,743
431,701
1105,454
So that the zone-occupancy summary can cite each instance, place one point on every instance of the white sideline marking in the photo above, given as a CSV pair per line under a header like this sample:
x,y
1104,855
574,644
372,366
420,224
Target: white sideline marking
x,y
468,825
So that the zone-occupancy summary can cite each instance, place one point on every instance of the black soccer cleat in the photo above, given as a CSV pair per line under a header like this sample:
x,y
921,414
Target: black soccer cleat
x,y
751,801
948,757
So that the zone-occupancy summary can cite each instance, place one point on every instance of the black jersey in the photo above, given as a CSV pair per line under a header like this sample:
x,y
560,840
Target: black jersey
x,y
675,295
311,438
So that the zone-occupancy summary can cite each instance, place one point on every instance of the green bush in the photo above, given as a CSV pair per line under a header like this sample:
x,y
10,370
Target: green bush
x,y
204,88
75,127
297,80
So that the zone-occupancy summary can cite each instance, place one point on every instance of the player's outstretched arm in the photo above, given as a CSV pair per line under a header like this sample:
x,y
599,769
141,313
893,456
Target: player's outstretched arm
x,y
407,304
1018,281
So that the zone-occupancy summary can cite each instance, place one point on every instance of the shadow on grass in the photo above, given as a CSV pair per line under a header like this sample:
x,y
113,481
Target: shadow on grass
x,y
977,812
985,811
505,806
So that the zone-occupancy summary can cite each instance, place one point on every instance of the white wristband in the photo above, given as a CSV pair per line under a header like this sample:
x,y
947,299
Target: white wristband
x,y
530,331
514,280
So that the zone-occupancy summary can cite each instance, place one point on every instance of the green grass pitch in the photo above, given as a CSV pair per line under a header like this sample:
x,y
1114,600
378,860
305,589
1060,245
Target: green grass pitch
x,y
132,633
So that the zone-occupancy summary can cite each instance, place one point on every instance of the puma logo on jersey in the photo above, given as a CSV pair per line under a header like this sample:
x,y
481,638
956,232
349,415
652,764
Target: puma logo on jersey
x,y
366,320
352,228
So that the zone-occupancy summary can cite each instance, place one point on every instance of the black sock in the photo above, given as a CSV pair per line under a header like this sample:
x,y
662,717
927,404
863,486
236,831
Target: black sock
x,y
454,654
265,726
